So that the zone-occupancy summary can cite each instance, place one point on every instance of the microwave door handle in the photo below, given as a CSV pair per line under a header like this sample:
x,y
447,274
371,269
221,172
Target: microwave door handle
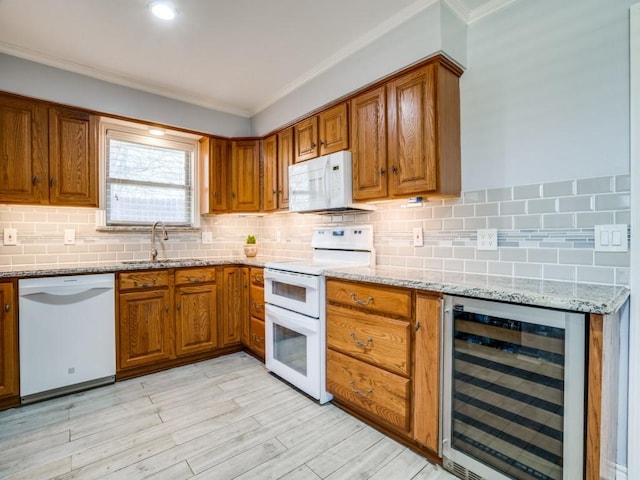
x,y
325,182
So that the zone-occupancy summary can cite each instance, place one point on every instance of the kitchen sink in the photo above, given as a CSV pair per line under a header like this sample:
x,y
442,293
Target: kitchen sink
x,y
164,261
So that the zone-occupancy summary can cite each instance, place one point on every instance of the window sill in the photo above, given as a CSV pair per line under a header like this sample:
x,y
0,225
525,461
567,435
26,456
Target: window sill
x,y
144,229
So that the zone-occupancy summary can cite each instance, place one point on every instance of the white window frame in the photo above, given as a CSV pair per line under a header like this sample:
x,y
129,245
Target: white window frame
x,y
135,132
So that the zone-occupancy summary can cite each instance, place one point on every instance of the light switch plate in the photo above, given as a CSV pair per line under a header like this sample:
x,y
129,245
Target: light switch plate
x,y
611,238
487,239
10,236
69,236
418,239
207,238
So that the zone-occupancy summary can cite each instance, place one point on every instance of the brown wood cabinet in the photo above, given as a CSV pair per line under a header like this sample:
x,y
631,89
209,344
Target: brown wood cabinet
x,y
369,351
196,310
322,134
49,154
383,358
285,158
215,154
270,188
145,333
234,307
424,132
406,136
73,158
245,176
255,342
369,145
9,382
24,151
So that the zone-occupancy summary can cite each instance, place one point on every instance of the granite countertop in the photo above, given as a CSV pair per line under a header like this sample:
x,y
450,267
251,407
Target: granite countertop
x,y
578,297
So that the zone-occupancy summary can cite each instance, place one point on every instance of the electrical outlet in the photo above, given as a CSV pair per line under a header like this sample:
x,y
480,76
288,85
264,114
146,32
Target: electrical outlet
x,y
207,238
418,240
10,236
69,237
487,239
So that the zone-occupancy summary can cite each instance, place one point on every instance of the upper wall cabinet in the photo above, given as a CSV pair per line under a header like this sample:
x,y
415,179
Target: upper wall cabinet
x,y
406,136
245,176
285,158
322,134
49,154
270,173
215,154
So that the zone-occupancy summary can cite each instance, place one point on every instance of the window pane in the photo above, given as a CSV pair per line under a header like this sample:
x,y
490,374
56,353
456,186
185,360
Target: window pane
x,y
132,161
147,183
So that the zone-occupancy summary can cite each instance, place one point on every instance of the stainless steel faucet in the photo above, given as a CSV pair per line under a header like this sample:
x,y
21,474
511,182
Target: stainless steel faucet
x,y
165,236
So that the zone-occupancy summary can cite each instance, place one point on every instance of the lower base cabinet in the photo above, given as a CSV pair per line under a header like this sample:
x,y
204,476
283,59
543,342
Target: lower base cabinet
x,y
9,381
254,342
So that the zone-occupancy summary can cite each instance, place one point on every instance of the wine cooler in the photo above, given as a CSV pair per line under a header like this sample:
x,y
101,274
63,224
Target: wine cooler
x,y
513,405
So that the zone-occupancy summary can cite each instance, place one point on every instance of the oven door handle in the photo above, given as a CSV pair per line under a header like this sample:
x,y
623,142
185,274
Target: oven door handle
x,y
292,321
293,281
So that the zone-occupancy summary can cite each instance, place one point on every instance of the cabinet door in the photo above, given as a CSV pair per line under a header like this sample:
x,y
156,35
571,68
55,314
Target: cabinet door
x,y
412,133
270,173
23,151
234,317
306,139
426,402
285,158
218,175
73,158
256,336
369,145
196,320
245,176
333,129
8,342
144,333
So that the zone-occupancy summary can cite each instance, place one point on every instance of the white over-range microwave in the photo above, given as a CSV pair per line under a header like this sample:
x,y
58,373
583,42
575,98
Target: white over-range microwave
x,y
323,184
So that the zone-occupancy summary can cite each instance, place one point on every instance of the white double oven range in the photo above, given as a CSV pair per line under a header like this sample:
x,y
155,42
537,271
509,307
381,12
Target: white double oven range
x,y
295,311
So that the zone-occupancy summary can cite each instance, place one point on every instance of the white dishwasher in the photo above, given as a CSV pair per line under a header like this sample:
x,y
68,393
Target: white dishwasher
x,y
67,334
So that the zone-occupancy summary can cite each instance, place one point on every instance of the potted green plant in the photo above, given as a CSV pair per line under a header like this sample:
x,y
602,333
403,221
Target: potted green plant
x,y
250,247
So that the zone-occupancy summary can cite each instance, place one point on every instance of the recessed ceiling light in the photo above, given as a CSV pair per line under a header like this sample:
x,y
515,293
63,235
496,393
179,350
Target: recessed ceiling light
x,y
163,10
156,131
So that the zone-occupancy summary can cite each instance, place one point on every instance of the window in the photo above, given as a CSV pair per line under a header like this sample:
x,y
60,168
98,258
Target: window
x,y
148,178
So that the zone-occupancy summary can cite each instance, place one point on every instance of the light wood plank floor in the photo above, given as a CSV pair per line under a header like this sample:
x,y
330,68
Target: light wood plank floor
x,y
225,418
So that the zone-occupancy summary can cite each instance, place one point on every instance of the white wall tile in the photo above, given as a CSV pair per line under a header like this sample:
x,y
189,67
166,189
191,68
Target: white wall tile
x,y
595,185
559,272
596,275
499,194
542,255
614,201
581,203
513,208
559,189
527,191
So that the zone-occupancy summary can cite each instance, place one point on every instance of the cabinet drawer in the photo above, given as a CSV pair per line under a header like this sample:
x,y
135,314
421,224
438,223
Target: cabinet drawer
x,y
257,276
383,342
384,395
256,336
256,303
195,275
371,298
128,281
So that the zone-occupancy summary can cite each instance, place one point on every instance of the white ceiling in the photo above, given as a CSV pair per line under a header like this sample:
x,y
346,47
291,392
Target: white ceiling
x,y
237,56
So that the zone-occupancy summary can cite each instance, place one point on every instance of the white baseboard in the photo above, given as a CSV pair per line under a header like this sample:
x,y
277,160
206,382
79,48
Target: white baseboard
x,y
621,472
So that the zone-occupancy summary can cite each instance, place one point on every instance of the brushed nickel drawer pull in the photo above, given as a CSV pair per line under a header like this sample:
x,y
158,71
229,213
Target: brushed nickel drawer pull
x,y
144,285
361,302
418,326
201,278
369,343
7,307
257,306
360,392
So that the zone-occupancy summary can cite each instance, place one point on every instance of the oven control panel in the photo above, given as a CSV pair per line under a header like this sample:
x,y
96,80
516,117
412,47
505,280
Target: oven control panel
x,y
343,238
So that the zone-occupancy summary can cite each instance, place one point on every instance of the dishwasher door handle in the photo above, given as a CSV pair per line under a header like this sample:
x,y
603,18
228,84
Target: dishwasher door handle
x,y
63,296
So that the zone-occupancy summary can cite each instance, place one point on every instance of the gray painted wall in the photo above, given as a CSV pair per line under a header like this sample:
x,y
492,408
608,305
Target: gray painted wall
x,y
546,93
415,39
48,83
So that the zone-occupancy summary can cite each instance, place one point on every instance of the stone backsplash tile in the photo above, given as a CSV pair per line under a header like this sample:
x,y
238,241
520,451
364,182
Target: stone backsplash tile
x,y
544,231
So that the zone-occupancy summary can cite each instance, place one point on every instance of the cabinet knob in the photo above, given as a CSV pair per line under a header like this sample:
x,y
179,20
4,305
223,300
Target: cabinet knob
x,y
52,182
35,180
7,307
381,171
313,145
394,169
274,192
177,306
166,308
321,142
